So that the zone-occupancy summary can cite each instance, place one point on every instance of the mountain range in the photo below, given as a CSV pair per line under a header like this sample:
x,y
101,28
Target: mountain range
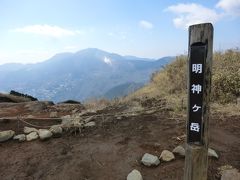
x,y
89,73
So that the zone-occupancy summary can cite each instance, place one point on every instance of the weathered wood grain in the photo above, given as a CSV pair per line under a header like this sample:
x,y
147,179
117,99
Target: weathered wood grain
x,y
196,159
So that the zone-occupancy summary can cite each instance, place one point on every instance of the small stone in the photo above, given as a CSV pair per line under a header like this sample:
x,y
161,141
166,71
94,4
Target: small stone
x,y
88,119
20,137
212,153
30,116
230,174
56,130
90,124
179,150
134,175
28,130
44,134
225,167
167,156
6,135
32,136
119,118
53,115
150,160
157,145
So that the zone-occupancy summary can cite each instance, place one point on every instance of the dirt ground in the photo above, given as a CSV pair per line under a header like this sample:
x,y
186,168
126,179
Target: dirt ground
x,y
111,149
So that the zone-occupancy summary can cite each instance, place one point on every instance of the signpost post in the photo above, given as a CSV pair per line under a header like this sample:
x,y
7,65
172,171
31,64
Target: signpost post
x,y
199,88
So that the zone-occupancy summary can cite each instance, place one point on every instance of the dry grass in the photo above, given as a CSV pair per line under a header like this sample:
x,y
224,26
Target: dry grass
x,y
171,83
96,104
231,109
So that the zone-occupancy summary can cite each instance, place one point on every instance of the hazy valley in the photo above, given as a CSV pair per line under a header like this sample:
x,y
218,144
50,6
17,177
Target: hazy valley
x,y
86,74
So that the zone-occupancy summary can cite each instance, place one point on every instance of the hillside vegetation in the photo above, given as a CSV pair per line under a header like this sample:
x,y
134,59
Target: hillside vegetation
x,y
171,81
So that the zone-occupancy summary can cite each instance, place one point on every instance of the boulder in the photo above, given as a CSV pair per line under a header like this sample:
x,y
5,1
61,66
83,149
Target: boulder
x,y
28,130
179,150
134,175
56,130
20,137
32,136
167,156
6,135
53,115
90,124
212,153
44,134
150,160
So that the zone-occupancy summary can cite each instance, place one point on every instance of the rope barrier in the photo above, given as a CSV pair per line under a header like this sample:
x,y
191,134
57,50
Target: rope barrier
x,y
33,125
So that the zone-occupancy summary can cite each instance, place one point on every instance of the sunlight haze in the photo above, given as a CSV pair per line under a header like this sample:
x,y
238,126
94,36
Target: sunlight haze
x,y
34,31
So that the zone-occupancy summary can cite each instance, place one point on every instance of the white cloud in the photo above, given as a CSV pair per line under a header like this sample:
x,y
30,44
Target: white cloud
x,y
145,24
191,13
107,60
47,30
230,6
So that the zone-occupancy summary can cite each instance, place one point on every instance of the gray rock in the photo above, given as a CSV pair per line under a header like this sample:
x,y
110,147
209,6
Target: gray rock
x,y
167,156
32,136
230,174
56,130
225,167
179,150
150,160
6,135
90,124
53,115
134,175
212,153
44,134
20,137
28,130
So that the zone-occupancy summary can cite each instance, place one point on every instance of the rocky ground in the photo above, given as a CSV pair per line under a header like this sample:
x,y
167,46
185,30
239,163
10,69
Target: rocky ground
x,y
111,146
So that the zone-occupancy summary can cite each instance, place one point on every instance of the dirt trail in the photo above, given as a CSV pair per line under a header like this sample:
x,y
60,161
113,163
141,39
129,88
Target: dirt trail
x,y
110,150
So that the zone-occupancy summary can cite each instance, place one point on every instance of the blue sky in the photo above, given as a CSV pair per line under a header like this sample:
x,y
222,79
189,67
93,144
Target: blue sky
x,y
34,30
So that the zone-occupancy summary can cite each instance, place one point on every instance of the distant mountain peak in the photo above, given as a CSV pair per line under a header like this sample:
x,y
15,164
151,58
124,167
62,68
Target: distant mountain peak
x,y
85,74
92,51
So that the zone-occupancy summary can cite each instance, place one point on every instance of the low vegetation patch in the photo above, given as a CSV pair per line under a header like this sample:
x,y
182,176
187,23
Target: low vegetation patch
x,y
171,82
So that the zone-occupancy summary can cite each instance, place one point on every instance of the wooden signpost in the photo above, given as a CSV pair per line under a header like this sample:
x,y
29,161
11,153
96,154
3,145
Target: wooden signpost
x,y
199,88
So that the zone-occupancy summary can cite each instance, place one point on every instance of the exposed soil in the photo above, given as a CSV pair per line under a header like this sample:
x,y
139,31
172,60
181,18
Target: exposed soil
x,y
113,148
